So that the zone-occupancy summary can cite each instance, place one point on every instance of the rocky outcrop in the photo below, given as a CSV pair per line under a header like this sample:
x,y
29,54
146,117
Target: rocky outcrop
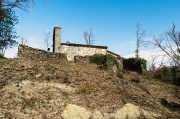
x,y
129,111
75,112
97,115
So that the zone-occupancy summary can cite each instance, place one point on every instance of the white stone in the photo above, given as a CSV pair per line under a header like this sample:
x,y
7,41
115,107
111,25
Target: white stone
x,y
97,115
75,112
38,75
131,111
1,115
82,51
109,116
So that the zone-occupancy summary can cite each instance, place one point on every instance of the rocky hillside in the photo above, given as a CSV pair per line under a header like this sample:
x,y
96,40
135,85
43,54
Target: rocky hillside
x,y
30,89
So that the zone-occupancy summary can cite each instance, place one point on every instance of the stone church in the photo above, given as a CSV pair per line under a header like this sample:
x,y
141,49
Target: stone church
x,y
71,49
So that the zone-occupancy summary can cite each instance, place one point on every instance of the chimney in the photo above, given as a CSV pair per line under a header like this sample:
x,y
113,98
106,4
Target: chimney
x,y
67,42
56,39
48,50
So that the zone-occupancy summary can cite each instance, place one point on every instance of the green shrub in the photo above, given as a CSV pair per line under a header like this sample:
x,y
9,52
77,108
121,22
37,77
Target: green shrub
x,y
144,71
177,78
167,75
158,75
98,59
135,64
2,56
105,60
110,59
164,74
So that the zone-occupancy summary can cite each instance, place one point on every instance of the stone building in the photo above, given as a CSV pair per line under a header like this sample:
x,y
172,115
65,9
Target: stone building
x,y
66,51
63,49
71,49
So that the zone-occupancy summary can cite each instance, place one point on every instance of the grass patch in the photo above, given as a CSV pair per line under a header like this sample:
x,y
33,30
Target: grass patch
x,y
85,90
29,102
94,88
66,80
120,75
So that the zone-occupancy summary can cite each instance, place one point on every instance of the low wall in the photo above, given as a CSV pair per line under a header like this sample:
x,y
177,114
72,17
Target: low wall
x,y
102,62
28,53
118,58
82,59
80,50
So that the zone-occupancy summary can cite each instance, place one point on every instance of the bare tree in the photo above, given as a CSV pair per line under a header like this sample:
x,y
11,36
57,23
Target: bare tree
x,y
156,61
23,40
46,36
169,43
21,4
24,5
140,33
89,36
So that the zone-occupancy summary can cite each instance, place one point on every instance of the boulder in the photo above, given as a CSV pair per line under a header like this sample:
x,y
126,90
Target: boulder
x,y
1,115
97,115
75,112
109,116
131,111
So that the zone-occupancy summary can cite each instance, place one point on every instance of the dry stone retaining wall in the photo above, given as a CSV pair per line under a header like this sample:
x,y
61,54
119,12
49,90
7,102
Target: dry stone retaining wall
x,y
82,60
28,53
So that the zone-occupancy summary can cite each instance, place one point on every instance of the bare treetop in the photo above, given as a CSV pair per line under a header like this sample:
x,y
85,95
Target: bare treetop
x,y
169,42
140,38
89,36
46,36
21,4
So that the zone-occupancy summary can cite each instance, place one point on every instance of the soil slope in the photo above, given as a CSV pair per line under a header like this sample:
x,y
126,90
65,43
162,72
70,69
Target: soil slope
x,y
30,89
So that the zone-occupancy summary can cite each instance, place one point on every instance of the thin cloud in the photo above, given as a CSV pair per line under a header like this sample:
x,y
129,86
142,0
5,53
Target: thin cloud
x,y
160,58
123,49
11,53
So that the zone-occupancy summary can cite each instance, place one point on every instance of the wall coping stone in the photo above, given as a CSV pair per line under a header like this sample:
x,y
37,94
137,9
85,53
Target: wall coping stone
x,y
114,54
83,45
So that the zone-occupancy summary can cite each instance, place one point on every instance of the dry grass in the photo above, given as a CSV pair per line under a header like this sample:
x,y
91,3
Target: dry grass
x,y
32,89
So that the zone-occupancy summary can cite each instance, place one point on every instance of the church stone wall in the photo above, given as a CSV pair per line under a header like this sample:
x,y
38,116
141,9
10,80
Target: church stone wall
x,y
72,51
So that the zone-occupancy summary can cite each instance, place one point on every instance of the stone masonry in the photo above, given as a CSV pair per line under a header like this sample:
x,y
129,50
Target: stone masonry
x,y
56,39
28,53
68,51
74,49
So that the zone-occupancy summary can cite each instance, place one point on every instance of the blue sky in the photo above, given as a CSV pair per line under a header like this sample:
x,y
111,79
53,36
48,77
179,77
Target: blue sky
x,y
114,21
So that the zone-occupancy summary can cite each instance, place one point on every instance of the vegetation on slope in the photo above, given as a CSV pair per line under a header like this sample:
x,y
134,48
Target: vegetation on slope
x,y
42,90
